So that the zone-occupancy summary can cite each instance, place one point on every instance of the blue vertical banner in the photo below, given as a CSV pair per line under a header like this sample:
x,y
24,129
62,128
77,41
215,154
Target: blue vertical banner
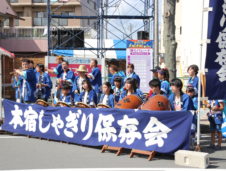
x,y
161,131
216,51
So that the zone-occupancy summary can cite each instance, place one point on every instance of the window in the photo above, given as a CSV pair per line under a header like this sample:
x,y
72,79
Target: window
x,y
6,22
40,19
61,21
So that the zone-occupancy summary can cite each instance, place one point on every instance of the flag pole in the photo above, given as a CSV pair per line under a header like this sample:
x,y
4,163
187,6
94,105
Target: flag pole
x,y
198,148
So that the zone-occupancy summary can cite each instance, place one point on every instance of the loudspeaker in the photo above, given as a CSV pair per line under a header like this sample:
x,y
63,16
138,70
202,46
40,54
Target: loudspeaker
x,y
143,35
67,39
192,159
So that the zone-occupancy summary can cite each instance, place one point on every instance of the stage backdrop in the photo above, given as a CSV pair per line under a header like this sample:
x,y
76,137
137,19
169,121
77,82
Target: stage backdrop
x,y
216,51
161,131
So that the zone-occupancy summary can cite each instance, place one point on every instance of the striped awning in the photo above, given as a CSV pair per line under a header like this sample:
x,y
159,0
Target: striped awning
x,y
6,53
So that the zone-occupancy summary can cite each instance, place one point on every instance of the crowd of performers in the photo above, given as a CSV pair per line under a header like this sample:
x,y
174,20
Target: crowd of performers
x,y
33,83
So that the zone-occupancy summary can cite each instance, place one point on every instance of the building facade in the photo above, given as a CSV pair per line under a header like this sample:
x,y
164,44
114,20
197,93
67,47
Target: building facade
x,y
29,37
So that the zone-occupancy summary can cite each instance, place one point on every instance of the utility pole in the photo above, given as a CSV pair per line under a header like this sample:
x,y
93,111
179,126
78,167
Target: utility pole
x,y
169,39
156,33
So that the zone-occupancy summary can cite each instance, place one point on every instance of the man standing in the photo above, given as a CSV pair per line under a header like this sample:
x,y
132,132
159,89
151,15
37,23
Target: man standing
x,y
26,82
58,70
95,76
155,72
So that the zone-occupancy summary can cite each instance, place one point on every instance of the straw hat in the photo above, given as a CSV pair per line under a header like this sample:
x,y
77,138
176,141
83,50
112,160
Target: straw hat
x,y
82,68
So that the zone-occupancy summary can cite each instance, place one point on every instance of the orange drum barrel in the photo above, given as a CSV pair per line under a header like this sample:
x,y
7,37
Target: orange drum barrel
x,y
129,102
158,102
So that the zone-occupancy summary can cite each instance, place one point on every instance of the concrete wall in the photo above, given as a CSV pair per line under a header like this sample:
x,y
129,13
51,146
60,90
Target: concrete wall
x,y
188,33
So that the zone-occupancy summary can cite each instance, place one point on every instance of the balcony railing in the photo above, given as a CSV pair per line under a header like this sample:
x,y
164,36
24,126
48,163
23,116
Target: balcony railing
x,y
13,1
6,33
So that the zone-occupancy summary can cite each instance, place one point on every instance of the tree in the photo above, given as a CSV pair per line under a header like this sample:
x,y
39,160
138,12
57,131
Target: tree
x,y
169,38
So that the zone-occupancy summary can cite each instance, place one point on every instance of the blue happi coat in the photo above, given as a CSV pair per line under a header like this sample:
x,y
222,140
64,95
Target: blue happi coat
x,y
91,98
186,102
46,80
58,70
29,79
96,80
110,100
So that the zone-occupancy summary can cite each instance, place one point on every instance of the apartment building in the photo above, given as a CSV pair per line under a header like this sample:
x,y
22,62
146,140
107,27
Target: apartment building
x,y
29,37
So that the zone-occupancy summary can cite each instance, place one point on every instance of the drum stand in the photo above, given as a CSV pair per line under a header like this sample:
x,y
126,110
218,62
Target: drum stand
x,y
106,147
151,154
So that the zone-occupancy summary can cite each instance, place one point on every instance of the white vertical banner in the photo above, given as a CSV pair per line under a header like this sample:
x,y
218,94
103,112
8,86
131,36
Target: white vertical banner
x,y
140,53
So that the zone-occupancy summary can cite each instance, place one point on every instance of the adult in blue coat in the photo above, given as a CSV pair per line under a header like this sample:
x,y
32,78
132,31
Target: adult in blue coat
x,y
26,82
58,70
95,76
77,84
14,84
132,74
193,79
113,70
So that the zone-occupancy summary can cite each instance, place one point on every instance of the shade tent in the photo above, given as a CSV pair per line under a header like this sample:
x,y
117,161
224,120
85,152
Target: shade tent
x,y
92,43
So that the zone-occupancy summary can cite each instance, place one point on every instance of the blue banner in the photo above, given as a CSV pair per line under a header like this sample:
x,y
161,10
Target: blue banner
x,y
216,51
161,131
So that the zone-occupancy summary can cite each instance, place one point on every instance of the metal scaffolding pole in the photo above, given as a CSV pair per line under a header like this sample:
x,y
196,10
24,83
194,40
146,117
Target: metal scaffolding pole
x,y
103,17
49,26
156,34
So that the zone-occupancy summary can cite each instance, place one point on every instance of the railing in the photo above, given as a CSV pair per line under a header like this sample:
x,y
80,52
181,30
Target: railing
x,y
6,33
13,1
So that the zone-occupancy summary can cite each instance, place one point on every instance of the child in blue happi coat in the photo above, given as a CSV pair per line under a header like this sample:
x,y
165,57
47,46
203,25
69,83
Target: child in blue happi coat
x,y
179,101
163,76
131,88
107,97
88,96
155,86
215,117
117,88
43,83
66,95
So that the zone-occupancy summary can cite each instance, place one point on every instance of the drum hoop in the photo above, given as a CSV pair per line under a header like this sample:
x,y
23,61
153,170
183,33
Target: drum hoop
x,y
81,103
43,101
58,103
103,105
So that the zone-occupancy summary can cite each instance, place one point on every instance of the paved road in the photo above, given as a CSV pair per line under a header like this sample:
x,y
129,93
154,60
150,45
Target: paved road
x,y
20,152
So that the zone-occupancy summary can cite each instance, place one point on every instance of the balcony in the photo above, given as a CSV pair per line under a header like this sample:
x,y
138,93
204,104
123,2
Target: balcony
x,y
55,2
21,2
28,33
43,2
